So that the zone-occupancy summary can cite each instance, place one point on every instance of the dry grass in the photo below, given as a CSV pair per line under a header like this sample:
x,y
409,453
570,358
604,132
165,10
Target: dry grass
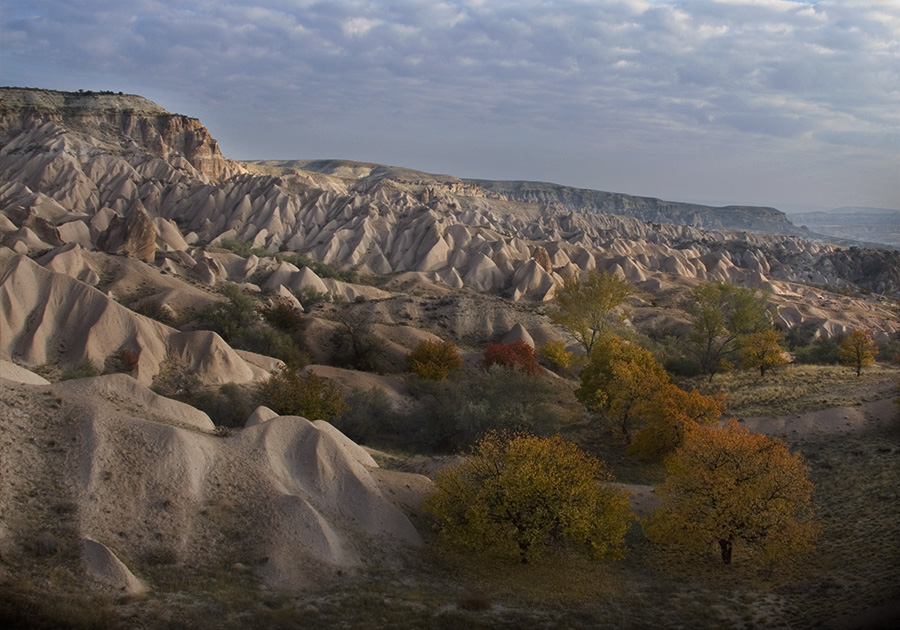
x,y
798,388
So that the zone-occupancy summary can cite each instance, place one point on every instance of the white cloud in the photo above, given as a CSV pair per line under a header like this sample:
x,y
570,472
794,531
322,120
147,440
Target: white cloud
x,y
797,79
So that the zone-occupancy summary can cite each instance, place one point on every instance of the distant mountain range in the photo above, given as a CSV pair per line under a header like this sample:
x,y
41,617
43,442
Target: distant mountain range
x,y
857,223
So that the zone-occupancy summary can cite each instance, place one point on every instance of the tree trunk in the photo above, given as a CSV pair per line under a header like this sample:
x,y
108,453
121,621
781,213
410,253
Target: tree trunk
x,y
725,546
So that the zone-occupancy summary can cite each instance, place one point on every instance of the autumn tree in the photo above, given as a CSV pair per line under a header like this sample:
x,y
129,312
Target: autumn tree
x,y
618,377
666,414
517,354
554,352
291,392
518,494
738,490
762,350
434,360
721,315
585,308
858,350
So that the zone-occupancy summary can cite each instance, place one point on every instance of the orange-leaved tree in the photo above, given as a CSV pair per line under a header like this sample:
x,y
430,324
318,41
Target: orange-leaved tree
x,y
619,377
742,491
434,360
666,414
515,494
762,350
517,354
858,349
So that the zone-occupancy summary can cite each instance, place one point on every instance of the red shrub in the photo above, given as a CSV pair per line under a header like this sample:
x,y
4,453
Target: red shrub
x,y
517,354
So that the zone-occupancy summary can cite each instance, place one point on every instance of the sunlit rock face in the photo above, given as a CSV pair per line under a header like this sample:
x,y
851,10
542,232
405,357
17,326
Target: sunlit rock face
x,y
121,174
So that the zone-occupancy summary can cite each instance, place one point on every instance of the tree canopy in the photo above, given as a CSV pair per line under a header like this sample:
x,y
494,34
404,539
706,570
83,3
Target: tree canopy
x,y
739,490
665,416
434,360
619,376
518,494
858,350
721,315
762,350
585,308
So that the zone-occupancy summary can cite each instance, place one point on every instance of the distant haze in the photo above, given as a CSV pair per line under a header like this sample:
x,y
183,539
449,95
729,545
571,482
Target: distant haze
x,y
769,102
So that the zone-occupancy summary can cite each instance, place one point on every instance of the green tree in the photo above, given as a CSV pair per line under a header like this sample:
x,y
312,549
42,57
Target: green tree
x,y
721,316
434,360
739,490
619,377
291,392
585,308
517,494
762,350
858,350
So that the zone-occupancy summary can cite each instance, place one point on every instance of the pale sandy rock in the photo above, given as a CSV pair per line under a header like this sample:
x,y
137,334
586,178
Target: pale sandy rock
x,y
18,374
6,225
483,275
103,565
134,236
532,281
204,272
121,389
75,232
168,236
518,333
260,414
69,260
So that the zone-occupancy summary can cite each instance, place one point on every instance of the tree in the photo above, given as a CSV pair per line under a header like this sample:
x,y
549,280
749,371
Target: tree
x,y
517,494
858,350
666,414
554,352
762,350
721,315
585,308
290,392
618,377
356,345
434,360
517,354
740,490
449,416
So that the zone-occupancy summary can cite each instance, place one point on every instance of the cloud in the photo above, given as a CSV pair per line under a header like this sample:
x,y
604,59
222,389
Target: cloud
x,y
625,76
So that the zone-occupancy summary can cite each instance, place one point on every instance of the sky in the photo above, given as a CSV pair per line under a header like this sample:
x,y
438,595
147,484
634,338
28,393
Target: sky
x,y
767,102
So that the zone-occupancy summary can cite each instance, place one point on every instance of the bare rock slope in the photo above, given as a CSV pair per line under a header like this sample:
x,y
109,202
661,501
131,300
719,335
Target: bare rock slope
x,y
135,481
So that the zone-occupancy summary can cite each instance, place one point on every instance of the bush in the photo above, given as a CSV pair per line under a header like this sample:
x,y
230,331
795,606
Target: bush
x,y
369,417
290,392
517,354
83,369
518,494
555,353
451,415
228,406
434,360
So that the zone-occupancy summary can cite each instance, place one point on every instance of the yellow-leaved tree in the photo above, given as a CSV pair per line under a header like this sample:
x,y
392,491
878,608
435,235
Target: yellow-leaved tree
x,y
434,360
762,350
742,491
858,349
618,378
666,414
587,307
517,494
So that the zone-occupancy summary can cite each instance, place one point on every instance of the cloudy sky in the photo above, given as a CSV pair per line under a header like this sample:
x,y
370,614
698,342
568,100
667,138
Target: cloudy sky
x,y
771,102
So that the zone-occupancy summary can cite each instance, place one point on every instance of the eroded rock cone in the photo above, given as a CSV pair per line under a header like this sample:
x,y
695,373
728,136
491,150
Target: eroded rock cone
x,y
133,236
